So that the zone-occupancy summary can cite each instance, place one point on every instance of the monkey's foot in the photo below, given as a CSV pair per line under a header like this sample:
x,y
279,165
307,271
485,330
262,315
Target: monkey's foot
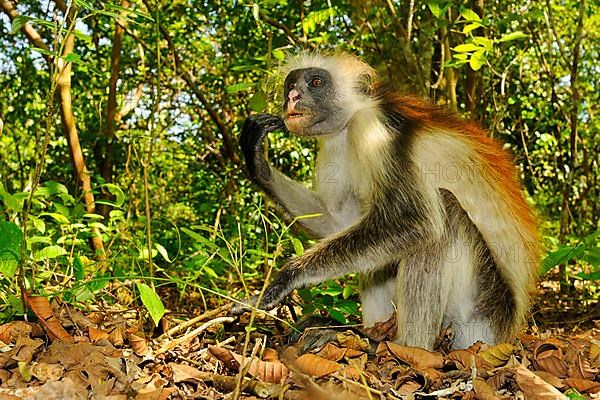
x,y
312,333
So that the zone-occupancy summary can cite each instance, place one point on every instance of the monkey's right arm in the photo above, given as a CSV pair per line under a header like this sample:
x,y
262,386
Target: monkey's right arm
x,y
292,196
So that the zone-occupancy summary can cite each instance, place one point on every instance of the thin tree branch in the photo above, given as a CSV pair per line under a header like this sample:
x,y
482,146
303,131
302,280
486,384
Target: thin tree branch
x,y
189,79
29,31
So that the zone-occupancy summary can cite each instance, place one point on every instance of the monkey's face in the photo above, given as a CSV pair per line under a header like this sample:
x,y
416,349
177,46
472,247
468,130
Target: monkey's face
x,y
310,107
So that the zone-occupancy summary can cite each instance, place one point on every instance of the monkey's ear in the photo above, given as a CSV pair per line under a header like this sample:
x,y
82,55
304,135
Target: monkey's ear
x,y
365,84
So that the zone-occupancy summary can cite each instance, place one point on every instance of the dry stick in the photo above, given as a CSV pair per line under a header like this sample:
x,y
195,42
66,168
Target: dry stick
x,y
193,334
195,320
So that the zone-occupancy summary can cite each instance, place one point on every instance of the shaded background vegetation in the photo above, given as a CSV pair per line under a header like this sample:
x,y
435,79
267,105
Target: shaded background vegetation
x,y
119,161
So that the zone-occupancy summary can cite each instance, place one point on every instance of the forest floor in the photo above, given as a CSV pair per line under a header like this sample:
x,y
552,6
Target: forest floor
x,y
114,354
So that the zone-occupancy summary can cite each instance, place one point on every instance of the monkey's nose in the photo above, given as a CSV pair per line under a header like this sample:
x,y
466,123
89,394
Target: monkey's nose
x,y
294,95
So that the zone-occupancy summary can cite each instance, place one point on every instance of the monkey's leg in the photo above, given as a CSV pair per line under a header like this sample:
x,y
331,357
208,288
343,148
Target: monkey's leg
x,y
480,303
421,298
378,295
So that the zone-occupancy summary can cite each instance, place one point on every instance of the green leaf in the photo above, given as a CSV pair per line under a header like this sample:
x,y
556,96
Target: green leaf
x,y
239,87
61,219
255,11
348,291
152,302
50,252
592,276
258,102
73,58
278,54
338,316
18,23
470,15
434,7
43,51
477,60
488,44
115,191
314,18
163,252
305,294
592,256
348,307
561,256
471,27
198,237
78,269
513,36
11,238
298,247
466,47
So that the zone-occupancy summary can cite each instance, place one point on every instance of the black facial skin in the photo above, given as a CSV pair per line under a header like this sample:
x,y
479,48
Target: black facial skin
x,y
316,103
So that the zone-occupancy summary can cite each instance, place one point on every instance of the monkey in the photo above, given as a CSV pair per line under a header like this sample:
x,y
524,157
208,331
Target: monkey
x,y
424,205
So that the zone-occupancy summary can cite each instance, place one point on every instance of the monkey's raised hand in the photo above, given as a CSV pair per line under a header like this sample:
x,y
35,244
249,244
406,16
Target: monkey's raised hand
x,y
254,131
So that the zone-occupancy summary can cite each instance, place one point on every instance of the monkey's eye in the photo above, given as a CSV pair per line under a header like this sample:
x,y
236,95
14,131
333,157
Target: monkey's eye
x,y
316,82
291,85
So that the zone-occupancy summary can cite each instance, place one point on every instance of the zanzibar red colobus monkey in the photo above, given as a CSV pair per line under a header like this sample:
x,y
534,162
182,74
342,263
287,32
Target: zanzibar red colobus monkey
x,y
423,205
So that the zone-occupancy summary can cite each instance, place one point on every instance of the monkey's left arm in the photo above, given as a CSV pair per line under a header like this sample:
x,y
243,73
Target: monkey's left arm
x,y
389,230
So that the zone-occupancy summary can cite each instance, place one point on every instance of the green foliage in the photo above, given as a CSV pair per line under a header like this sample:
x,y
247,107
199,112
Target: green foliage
x,y
330,300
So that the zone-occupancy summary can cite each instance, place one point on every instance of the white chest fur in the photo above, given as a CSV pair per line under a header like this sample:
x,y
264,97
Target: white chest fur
x,y
338,181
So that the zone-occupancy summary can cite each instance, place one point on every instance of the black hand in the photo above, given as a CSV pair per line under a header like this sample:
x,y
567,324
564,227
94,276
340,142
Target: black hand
x,y
273,296
255,129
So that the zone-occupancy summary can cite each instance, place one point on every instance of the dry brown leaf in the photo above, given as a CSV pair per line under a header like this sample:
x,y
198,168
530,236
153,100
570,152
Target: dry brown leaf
x,y
583,385
351,373
411,382
551,379
96,334
548,356
500,378
187,373
313,365
331,352
484,390
416,357
381,331
117,334
225,356
10,331
498,355
44,372
464,360
353,341
158,394
577,365
137,341
594,352
266,371
270,355
534,387
42,309
22,351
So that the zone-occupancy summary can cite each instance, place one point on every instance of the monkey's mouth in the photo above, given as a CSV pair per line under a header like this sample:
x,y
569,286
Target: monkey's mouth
x,y
294,115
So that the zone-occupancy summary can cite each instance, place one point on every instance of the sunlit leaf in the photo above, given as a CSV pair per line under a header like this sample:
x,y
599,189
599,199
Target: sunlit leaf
x,y
513,36
477,60
470,15
467,47
163,252
11,238
50,252
152,302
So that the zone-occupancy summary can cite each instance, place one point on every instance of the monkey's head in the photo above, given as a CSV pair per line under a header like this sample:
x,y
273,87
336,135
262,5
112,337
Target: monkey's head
x,y
322,93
